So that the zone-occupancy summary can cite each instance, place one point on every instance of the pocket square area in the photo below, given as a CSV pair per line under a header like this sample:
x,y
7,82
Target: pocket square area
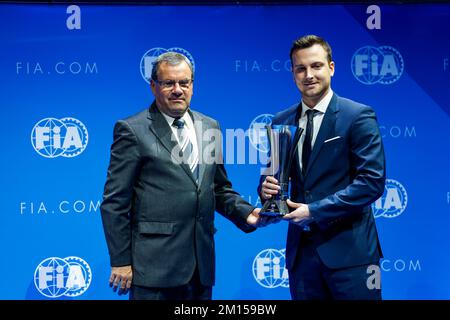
x,y
331,139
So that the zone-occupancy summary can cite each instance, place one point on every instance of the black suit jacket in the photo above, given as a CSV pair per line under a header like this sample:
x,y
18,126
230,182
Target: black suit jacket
x,y
345,174
155,216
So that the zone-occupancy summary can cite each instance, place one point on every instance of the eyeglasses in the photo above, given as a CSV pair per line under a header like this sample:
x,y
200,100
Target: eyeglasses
x,y
170,84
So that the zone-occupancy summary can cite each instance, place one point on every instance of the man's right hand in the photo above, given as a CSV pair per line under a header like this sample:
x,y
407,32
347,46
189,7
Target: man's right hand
x,y
121,278
269,188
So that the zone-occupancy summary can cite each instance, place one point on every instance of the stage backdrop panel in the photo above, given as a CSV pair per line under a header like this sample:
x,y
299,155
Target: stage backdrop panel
x,y
69,73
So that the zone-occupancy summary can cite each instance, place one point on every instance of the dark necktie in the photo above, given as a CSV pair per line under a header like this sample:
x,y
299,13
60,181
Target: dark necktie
x,y
307,143
189,155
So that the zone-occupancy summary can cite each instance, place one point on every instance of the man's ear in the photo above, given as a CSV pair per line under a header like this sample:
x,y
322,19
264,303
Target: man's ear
x,y
152,85
332,68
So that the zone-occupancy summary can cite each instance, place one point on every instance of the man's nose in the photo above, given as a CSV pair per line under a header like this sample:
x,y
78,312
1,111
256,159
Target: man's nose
x,y
308,73
177,88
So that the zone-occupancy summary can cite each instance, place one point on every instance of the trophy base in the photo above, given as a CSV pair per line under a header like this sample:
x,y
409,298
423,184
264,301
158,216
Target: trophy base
x,y
274,208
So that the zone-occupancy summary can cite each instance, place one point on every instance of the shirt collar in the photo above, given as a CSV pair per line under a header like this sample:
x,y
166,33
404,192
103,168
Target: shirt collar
x,y
187,119
321,106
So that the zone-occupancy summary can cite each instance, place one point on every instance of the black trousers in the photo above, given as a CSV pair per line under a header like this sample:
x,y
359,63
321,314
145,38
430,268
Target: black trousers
x,y
310,279
193,290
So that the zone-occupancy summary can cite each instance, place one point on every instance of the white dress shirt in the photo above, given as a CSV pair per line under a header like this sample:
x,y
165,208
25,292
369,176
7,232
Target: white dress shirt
x,y
188,124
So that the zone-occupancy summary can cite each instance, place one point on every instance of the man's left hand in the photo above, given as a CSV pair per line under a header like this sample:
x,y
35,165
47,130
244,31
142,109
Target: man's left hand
x,y
300,215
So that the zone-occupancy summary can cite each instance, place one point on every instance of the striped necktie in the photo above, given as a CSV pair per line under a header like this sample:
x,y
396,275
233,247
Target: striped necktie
x,y
190,154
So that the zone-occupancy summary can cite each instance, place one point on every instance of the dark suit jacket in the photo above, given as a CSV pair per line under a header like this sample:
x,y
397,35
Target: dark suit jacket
x,y
155,216
344,176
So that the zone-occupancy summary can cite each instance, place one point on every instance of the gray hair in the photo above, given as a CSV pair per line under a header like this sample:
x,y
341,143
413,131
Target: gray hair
x,y
171,58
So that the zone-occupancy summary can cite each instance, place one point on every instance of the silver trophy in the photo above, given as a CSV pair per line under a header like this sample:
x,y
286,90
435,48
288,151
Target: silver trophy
x,y
283,140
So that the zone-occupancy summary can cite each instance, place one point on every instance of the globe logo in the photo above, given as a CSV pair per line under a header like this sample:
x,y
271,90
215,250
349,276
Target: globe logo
x,y
269,269
146,64
382,65
393,201
50,276
66,137
257,132
55,277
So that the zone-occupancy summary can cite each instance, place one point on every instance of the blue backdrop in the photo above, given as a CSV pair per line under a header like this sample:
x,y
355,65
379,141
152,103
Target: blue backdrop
x,y
67,74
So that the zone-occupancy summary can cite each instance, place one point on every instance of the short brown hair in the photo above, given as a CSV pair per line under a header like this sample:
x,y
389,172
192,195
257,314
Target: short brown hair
x,y
307,42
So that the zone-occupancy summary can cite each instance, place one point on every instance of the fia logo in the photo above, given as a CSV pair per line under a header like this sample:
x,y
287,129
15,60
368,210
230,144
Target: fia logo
x,y
67,137
55,277
269,269
150,56
257,132
393,201
372,65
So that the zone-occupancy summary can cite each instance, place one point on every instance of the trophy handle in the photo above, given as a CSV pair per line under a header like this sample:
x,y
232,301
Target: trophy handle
x,y
269,137
298,133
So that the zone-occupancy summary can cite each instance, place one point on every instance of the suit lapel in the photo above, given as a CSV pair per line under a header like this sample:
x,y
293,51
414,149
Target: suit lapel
x,y
160,128
326,130
200,127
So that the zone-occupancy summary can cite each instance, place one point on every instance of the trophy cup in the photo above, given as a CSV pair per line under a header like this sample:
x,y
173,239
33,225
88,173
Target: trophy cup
x,y
283,140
